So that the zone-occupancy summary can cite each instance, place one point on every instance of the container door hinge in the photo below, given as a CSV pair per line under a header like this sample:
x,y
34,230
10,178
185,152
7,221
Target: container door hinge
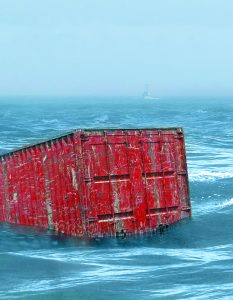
x,y
181,173
84,137
87,179
91,219
186,208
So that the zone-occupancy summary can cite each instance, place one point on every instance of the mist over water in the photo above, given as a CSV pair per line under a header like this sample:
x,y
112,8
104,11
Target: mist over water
x,y
193,259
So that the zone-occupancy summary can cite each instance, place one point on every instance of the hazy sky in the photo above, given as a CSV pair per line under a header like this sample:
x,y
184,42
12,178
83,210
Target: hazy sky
x,y
114,47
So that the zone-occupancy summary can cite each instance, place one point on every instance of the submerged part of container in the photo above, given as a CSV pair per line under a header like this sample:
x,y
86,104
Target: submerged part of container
x,y
98,182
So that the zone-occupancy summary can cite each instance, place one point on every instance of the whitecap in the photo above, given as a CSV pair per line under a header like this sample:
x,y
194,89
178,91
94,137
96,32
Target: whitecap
x,y
49,121
214,207
102,118
227,203
209,175
201,111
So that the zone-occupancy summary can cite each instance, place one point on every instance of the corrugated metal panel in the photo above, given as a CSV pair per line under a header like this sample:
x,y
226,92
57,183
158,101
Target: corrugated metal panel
x,y
97,182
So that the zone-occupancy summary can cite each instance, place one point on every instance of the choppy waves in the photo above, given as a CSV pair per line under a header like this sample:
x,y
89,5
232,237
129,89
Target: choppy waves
x,y
192,260
128,266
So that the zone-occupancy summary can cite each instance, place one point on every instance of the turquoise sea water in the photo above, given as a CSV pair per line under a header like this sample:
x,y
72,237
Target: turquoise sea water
x,y
192,260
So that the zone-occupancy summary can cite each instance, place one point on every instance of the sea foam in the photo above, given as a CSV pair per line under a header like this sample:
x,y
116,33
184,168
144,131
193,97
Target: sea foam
x,y
209,175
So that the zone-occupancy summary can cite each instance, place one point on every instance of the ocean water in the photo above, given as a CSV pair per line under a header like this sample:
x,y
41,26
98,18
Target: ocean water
x,y
192,260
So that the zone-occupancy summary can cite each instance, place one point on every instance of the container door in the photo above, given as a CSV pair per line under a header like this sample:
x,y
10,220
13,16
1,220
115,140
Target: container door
x,y
114,186
97,185
160,176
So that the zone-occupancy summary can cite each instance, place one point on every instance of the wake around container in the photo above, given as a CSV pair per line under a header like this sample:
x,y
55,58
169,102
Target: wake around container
x,y
97,182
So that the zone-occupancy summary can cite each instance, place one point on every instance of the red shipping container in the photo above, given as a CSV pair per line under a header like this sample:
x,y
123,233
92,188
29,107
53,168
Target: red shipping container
x,y
98,182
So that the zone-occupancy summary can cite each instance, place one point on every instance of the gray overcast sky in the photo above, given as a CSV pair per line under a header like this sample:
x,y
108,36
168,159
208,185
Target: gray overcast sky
x,y
114,47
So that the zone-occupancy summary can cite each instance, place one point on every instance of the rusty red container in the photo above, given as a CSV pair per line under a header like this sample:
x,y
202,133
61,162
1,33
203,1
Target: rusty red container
x,y
98,182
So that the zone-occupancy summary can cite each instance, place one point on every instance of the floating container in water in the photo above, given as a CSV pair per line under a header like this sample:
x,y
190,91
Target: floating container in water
x,y
98,182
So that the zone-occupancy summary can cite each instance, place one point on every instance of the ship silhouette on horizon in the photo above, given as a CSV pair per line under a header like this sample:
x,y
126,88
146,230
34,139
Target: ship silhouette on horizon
x,y
147,94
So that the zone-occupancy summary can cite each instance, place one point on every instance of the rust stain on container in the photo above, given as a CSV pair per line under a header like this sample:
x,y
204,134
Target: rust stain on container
x,y
98,182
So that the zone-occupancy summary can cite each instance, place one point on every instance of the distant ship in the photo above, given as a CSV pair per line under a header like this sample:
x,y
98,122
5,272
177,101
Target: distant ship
x,y
147,95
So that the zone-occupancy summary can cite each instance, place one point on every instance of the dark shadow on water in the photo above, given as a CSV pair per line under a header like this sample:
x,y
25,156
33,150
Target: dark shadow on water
x,y
27,238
